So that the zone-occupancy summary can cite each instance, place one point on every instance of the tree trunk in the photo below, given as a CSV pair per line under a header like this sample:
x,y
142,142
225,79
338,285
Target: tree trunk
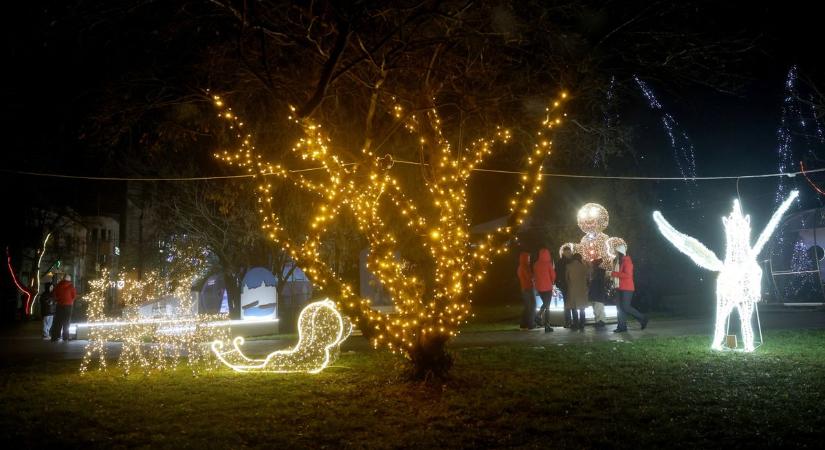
x,y
429,358
233,292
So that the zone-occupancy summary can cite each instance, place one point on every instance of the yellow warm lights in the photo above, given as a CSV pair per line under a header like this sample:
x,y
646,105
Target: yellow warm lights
x,y
367,191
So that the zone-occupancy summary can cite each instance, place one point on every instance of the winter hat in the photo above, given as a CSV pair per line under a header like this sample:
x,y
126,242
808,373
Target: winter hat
x,y
622,248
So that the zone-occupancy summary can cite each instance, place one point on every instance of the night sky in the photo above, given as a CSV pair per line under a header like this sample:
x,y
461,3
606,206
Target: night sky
x,y
57,59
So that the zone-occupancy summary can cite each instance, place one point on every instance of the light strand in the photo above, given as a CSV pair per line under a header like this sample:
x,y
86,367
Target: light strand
x,y
417,163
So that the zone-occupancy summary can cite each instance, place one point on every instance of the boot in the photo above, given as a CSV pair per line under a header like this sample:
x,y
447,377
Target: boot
x,y
581,320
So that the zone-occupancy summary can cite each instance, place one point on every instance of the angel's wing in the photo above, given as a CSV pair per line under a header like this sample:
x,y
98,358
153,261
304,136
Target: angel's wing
x,y
688,245
772,224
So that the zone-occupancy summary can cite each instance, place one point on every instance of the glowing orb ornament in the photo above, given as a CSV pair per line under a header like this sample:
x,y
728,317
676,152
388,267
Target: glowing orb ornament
x,y
321,330
593,218
740,277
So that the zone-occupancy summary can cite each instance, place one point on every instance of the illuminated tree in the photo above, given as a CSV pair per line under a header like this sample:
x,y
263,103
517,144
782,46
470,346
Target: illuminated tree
x,y
431,297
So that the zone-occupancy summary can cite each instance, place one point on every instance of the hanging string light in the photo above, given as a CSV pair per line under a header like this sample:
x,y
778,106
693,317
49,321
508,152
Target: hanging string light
x,y
680,143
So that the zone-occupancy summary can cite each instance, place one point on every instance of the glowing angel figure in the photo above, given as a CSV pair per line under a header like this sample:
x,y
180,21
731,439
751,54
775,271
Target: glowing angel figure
x,y
321,330
740,277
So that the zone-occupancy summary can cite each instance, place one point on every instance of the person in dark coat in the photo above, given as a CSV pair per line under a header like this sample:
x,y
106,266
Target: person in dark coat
x,y
64,294
566,256
528,299
544,275
576,275
47,309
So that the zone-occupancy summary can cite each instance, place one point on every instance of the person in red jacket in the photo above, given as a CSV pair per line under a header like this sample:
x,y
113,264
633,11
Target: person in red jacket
x,y
64,294
544,275
623,274
528,298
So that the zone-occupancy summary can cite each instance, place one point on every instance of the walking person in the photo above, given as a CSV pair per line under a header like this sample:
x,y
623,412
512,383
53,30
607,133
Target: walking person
x,y
47,309
576,299
544,275
623,280
64,294
597,291
528,298
566,255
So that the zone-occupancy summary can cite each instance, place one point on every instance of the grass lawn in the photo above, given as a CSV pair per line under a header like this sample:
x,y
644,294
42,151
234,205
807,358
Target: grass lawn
x,y
508,318
651,393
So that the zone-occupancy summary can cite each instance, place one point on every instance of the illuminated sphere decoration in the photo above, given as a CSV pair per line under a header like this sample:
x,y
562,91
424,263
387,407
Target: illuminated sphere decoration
x,y
593,246
592,218
740,277
321,330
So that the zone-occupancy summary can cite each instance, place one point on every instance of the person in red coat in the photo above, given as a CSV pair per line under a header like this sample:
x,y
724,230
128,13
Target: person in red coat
x,y
544,275
623,280
528,299
64,294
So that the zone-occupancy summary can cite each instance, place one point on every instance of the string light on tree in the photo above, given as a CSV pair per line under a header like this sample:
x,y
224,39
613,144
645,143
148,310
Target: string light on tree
x,y
740,277
680,143
321,330
794,144
791,117
37,273
429,305
610,118
17,283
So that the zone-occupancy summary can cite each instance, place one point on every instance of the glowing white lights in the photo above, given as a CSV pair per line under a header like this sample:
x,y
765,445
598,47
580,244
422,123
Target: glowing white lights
x,y
321,330
680,143
37,273
740,277
175,334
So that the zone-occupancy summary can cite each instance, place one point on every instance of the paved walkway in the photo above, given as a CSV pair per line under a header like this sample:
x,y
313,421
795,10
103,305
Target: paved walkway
x,y
22,343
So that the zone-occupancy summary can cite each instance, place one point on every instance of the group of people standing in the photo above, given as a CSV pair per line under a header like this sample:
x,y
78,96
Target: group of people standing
x,y
581,283
56,305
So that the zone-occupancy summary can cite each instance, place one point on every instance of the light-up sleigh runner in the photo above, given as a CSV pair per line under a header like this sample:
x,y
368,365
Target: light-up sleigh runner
x,y
321,330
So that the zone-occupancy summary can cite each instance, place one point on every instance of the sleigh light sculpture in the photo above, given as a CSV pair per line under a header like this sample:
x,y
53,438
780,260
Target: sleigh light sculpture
x,y
321,330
